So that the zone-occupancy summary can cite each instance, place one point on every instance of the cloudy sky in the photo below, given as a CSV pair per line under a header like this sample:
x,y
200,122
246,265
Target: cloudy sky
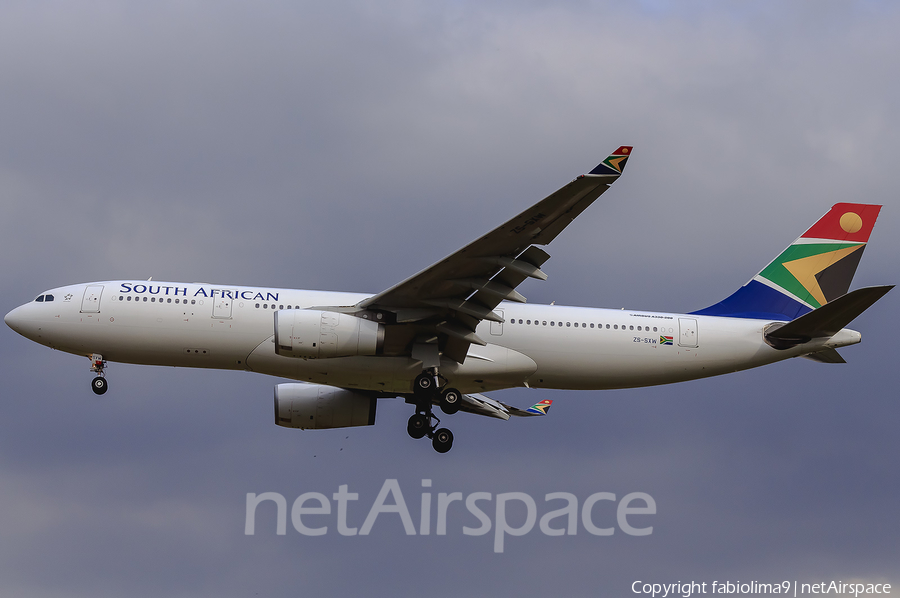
x,y
344,146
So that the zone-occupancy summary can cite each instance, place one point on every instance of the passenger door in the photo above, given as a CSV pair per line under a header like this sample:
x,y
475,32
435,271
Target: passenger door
x,y
90,304
688,329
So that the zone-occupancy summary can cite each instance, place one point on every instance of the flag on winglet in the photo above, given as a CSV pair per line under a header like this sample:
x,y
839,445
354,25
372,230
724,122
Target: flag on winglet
x,y
540,408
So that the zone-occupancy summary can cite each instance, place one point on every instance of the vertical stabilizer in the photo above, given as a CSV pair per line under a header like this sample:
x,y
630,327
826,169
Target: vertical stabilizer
x,y
817,268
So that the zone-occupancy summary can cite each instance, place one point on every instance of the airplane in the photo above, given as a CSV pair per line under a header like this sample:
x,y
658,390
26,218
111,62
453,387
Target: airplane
x,y
459,328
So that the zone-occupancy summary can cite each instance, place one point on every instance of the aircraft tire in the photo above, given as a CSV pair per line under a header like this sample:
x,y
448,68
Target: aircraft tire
x,y
417,427
450,401
423,384
442,440
99,385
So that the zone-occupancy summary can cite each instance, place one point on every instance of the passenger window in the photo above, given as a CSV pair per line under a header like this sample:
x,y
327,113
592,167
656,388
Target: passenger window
x,y
631,328
545,322
280,307
257,306
568,324
152,299
553,323
654,329
169,300
592,324
639,328
145,300
607,326
616,326
193,301
121,298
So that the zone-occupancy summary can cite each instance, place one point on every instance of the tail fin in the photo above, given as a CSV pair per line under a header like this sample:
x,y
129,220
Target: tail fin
x,y
817,268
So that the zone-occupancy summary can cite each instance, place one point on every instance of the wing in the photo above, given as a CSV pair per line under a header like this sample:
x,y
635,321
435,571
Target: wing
x,y
436,311
482,405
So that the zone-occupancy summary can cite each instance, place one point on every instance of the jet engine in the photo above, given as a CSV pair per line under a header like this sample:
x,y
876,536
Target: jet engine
x,y
314,334
314,406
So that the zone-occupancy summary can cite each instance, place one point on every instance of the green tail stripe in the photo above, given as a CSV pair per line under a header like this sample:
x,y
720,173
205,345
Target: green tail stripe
x,y
778,274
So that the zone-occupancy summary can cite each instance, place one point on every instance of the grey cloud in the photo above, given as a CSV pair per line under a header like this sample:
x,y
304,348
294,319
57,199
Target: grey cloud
x,y
345,146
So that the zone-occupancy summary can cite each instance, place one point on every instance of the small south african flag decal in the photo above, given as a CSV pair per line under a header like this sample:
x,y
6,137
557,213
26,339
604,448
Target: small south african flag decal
x,y
665,340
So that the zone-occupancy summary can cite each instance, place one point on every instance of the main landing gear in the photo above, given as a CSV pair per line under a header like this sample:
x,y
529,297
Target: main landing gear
x,y
427,389
98,384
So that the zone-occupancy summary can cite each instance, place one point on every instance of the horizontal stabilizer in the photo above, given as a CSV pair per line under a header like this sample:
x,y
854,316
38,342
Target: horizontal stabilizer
x,y
827,320
825,356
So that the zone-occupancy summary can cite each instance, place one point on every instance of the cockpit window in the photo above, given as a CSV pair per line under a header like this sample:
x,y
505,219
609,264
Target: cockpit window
x,y
48,297
40,299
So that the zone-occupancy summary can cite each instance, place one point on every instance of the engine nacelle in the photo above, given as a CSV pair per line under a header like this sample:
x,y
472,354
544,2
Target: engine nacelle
x,y
314,406
315,334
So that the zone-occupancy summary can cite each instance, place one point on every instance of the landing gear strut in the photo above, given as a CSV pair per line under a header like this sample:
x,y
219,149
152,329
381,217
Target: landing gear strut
x,y
99,384
427,389
418,425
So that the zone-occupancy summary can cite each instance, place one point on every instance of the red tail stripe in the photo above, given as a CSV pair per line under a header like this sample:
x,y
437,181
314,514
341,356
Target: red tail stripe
x,y
840,223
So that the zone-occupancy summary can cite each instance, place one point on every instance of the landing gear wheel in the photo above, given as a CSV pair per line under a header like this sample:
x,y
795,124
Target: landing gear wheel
x,y
99,385
450,401
423,384
442,440
418,426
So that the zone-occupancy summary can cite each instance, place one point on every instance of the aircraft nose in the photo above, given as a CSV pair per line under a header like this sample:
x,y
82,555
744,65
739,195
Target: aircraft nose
x,y
15,319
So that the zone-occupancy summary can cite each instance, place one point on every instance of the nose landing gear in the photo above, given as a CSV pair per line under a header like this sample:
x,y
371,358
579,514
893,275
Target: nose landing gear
x,y
99,384
427,389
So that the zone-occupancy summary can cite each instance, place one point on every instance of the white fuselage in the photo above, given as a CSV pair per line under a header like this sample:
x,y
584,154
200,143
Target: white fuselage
x,y
548,346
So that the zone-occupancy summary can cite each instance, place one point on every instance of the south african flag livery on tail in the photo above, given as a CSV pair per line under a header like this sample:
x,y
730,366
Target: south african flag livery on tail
x,y
817,268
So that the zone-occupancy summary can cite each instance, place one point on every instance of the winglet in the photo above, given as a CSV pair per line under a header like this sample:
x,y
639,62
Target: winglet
x,y
540,408
615,163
